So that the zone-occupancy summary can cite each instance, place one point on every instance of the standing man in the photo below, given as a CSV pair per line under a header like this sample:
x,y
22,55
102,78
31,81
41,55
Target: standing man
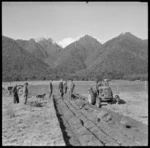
x,y
60,87
106,82
98,84
65,87
72,85
51,89
15,93
25,92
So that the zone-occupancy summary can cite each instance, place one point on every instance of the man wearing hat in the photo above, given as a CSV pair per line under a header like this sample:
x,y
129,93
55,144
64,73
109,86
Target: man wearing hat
x,y
60,87
65,87
71,90
25,92
51,89
15,93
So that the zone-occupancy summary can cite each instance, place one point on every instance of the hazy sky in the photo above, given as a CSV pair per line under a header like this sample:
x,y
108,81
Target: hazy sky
x,y
58,20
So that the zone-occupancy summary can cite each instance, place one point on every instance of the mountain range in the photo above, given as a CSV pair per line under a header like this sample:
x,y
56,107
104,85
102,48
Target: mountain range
x,y
43,58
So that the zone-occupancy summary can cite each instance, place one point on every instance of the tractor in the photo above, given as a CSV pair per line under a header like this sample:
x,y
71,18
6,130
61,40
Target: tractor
x,y
105,94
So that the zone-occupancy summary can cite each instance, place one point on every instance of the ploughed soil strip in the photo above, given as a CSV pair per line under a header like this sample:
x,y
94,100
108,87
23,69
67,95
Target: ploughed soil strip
x,y
83,124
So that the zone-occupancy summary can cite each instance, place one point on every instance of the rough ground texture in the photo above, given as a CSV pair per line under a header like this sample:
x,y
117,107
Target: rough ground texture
x,y
37,124
83,124
136,106
30,125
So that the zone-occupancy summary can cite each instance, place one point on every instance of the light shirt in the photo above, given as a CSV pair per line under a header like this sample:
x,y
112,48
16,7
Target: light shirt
x,y
89,98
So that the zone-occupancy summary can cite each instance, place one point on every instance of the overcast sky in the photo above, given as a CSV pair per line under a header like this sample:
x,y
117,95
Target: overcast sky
x,y
59,20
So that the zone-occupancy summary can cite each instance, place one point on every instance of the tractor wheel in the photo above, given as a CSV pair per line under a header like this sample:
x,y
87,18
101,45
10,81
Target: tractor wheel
x,y
117,98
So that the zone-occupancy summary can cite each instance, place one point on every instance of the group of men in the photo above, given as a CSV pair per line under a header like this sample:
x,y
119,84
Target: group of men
x,y
63,88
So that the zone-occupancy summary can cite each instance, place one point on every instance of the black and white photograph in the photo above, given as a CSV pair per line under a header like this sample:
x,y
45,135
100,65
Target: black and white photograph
x,y
74,73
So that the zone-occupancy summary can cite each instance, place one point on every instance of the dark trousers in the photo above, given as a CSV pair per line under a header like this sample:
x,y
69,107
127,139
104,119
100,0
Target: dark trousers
x,y
65,90
16,98
25,98
71,94
50,94
61,94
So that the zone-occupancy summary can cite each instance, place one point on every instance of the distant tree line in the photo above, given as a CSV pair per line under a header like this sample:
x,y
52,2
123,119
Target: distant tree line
x,y
12,76
132,77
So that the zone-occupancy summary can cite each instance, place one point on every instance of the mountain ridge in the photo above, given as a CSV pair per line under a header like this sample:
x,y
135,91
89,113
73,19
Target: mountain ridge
x,y
87,57
18,63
